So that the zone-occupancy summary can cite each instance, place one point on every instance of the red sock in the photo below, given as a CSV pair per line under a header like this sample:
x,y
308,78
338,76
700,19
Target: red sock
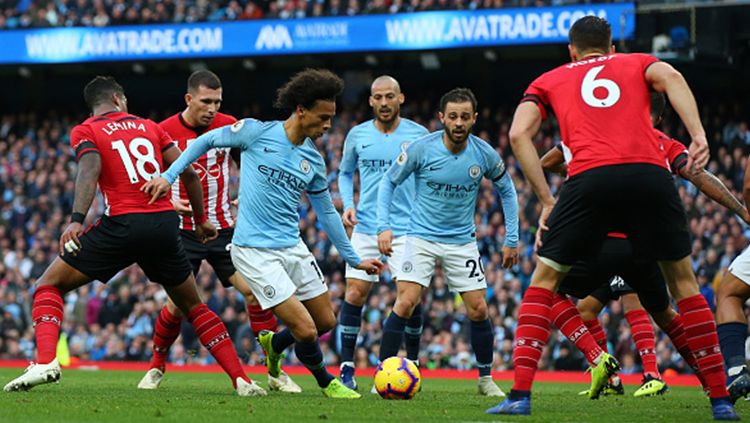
x,y
47,317
213,335
676,332
565,316
700,330
531,336
166,330
643,336
261,319
597,331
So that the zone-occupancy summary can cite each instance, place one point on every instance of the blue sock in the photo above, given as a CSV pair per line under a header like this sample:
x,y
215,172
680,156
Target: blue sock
x,y
393,333
309,354
481,343
732,340
282,340
350,320
413,333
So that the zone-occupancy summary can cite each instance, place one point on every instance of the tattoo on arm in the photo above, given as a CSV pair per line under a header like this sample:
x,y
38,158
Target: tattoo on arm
x,y
89,169
712,186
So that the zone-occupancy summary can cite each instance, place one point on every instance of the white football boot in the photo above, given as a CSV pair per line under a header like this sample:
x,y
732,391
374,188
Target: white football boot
x,y
151,379
283,383
35,374
489,388
251,389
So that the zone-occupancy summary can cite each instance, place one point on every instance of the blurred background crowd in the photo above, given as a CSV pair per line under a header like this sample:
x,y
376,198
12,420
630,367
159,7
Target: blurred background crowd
x,y
115,321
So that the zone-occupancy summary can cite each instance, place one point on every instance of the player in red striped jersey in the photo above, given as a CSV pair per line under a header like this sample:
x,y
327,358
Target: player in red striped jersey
x,y
580,282
203,100
119,152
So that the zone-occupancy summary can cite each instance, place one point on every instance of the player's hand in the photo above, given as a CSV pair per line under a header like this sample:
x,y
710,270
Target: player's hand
x,y
543,216
69,242
385,242
206,231
510,256
182,207
371,266
349,217
698,154
157,187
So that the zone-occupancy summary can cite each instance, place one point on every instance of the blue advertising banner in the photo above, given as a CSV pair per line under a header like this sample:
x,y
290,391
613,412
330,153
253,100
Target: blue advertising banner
x,y
412,31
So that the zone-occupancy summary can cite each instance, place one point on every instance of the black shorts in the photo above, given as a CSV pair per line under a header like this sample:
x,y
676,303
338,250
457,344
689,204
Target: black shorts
x,y
151,240
215,252
615,262
639,200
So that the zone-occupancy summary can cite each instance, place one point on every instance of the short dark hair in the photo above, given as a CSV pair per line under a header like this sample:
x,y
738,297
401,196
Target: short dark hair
x,y
591,33
658,105
458,95
100,90
204,78
307,87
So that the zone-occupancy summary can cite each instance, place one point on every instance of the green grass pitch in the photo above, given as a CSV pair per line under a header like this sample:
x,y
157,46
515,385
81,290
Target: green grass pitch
x,y
111,396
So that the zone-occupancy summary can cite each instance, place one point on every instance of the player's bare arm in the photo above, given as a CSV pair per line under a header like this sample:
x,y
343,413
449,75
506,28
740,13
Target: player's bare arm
x,y
89,169
664,78
526,122
554,161
712,186
204,230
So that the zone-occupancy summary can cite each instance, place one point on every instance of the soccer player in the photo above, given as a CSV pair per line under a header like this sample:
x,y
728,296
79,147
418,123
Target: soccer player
x,y
203,100
448,167
279,163
616,254
371,148
734,291
619,182
120,152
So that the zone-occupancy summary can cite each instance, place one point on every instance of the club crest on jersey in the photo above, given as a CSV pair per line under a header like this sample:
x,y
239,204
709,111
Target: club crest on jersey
x,y
407,267
269,291
474,171
304,166
237,126
401,160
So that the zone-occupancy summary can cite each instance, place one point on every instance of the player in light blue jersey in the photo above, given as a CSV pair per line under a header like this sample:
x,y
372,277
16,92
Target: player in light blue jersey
x,y
279,163
448,167
371,148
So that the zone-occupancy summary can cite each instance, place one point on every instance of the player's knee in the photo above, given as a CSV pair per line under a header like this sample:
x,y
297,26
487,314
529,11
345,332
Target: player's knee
x,y
306,332
732,288
477,312
326,324
405,306
356,294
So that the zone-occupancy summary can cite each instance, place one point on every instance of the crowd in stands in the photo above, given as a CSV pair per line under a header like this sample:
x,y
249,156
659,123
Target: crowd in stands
x,y
115,321
16,14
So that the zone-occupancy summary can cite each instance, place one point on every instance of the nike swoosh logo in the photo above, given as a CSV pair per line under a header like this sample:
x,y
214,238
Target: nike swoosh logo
x,y
365,146
268,150
435,168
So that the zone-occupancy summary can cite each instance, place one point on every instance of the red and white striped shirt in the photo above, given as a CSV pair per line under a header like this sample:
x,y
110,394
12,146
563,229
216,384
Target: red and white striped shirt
x,y
212,167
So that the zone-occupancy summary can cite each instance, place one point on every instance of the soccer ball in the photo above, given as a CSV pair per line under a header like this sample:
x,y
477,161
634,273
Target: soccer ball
x,y
397,378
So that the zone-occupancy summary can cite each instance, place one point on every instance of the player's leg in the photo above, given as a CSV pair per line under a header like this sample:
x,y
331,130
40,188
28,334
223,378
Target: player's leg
x,y
566,318
732,324
482,340
414,274
589,309
415,324
47,316
166,330
643,335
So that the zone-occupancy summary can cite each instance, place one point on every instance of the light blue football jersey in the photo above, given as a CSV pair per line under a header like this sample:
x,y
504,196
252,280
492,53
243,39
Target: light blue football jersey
x,y
373,153
273,175
447,185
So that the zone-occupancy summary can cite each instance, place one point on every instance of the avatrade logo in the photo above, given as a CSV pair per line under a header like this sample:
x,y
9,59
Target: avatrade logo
x,y
273,37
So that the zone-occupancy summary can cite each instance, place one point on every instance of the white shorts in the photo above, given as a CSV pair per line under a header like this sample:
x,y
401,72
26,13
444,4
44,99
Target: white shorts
x,y
275,274
366,247
461,264
740,266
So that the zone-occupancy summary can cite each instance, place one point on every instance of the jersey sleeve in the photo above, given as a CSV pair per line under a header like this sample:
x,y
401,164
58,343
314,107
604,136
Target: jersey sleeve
x,y
164,139
319,181
677,155
406,163
645,60
346,170
537,94
241,134
495,165
82,141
